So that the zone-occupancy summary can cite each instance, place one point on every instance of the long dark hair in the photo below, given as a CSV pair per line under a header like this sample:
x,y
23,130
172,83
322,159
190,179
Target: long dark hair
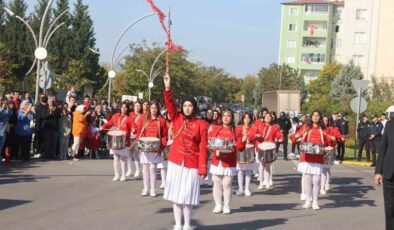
x,y
138,102
127,108
241,121
149,115
320,122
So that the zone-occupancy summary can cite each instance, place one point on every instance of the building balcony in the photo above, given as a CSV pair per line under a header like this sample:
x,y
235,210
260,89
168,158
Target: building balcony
x,y
315,34
314,49
311,66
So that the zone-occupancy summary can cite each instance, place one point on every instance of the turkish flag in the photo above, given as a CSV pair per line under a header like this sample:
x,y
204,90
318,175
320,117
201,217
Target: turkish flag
x,y
311,29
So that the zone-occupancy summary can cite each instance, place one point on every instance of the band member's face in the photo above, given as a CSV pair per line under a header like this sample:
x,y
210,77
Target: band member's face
x,y
247,120
267,118
315,117
226,118
209,114
154,110
187,108
264,113
215,116
255,113
325,120
137,107
123,109
145,106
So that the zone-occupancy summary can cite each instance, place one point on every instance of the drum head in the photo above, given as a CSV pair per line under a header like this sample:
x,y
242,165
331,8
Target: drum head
x,y
116,133
267,146
148,139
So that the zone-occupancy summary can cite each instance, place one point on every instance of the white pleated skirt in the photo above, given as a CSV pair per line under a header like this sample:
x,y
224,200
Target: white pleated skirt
x,y
135,155
222,171
120,152
162,165
150,158
182,185
247,167
310,168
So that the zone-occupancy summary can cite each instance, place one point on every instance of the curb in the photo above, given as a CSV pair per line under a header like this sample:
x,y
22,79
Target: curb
x,y
365,164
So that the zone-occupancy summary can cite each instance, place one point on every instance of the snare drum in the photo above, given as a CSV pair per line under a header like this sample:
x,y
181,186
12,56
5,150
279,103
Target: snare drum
x,y
266,152
246,157
311,148
329,156
223,145
149,144
116,139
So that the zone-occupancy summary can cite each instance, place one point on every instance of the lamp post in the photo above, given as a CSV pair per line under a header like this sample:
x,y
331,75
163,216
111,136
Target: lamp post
x,y
41,43
111,72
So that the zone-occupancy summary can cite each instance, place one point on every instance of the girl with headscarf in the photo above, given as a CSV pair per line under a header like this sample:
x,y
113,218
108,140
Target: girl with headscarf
x,y
187,160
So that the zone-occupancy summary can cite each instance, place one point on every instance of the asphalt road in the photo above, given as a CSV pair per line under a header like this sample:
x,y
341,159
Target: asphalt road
x,y
58,195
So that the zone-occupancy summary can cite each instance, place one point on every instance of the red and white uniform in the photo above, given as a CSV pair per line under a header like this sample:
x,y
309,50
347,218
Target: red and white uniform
x,y
225,164
154,128
249,144
187,157
312,163
123,123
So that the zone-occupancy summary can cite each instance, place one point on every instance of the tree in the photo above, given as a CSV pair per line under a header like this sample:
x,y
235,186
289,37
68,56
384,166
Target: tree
x,y
82,34
247,87
278,77
321,87
342,88
59,45
381,90
17,40
1,19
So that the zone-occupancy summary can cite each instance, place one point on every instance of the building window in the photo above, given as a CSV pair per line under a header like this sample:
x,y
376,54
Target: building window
x,y
361,14
316,8
313,58
291,43
293,12
338,43
311,75
338,11
360,37
337,28
292,27
358,59
290,59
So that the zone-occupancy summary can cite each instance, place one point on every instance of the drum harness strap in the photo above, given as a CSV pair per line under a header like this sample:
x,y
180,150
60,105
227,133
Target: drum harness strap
x,y
309,136
176,135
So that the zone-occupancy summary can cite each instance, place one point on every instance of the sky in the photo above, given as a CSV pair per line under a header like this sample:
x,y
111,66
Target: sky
x,y
240,36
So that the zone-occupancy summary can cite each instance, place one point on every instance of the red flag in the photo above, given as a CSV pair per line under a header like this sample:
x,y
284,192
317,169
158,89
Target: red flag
x,y
311,29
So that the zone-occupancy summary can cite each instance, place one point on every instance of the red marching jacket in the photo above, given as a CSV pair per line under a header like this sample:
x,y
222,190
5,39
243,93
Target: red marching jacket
x,y
123,123
270,133
154,128
190,138
334,131
317,136
233,135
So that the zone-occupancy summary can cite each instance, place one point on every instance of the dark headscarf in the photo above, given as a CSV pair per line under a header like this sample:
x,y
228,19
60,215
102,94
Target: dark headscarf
x,y
195,107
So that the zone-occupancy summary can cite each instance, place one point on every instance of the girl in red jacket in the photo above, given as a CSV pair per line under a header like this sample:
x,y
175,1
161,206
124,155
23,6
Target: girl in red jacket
x,y
245,168
268,132
332,131
187,158
223,165
135,116
311,165
152,125
120,121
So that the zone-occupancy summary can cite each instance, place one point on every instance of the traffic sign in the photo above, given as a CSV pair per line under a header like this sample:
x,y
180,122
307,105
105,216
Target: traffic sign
x,y
354,104
360,84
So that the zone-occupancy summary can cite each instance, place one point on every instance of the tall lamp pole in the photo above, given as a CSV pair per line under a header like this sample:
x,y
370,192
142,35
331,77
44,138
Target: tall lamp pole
x,y
111,72
41,43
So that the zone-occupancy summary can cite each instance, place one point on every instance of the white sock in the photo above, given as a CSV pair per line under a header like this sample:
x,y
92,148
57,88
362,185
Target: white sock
x,y
163,173
240,180
123,165
137,160
316,187
177,208
116,165
152,172
187,213
261,173
323,177
267,174
217,189
145,176
129,163
303,184
248,178
308,183
328,177
227,189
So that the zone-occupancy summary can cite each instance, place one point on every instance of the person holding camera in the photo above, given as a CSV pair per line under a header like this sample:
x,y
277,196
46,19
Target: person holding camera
x,y
5,114
25,129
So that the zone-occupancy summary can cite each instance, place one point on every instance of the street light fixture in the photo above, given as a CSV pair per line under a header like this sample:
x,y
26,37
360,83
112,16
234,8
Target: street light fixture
x,y
112,66
40,51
